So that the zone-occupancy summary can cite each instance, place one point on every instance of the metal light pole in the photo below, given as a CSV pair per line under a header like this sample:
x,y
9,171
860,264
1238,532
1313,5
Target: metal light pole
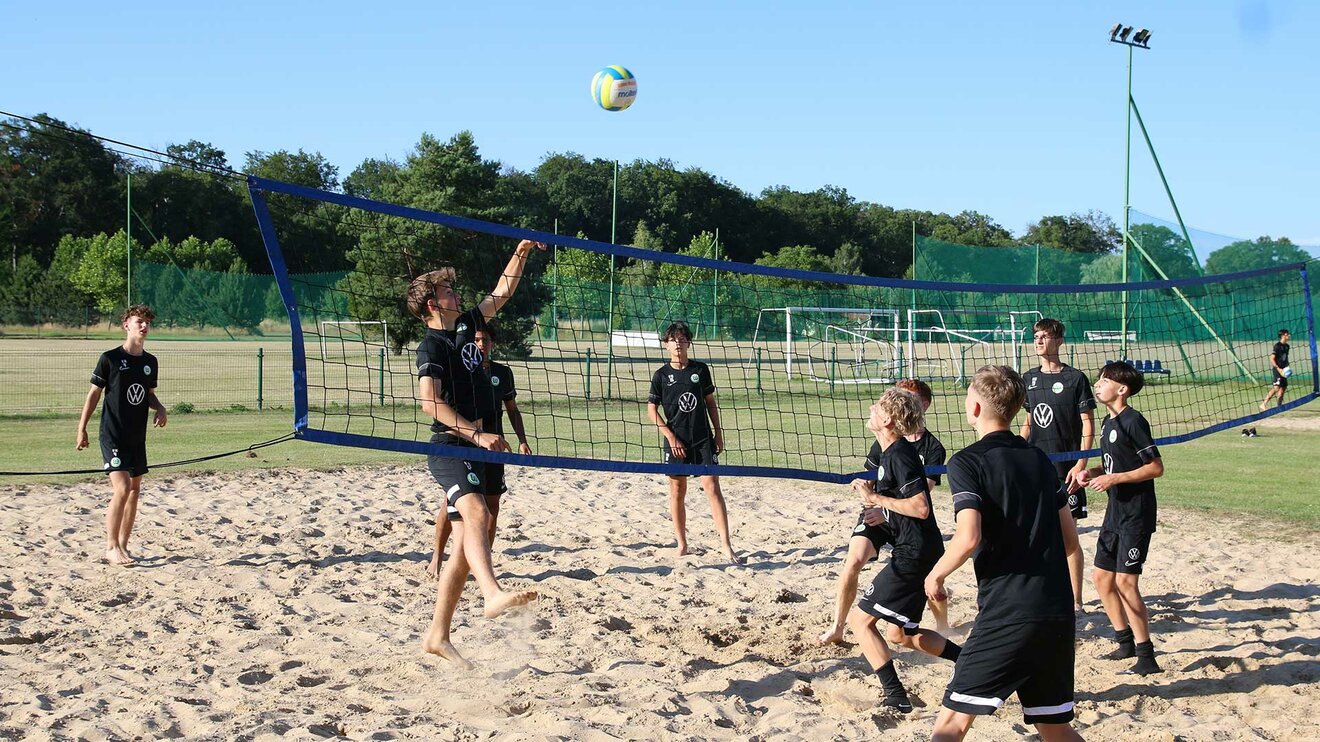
x,y
1119,35
609,321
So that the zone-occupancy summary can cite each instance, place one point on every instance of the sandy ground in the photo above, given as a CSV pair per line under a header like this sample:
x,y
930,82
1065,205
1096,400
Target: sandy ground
x,y
291,604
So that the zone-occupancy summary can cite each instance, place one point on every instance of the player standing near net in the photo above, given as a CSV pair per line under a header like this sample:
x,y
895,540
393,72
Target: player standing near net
x,y
128,374
1131,465
502,387
1279,367
897,595
872,532
1011,512
454,390
692,433
1060,419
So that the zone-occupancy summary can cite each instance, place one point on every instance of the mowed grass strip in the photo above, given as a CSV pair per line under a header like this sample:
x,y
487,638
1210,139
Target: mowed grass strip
x,y
1268,477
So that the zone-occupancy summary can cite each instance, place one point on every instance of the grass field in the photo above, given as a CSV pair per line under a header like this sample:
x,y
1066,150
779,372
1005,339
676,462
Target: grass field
x,y
1260,477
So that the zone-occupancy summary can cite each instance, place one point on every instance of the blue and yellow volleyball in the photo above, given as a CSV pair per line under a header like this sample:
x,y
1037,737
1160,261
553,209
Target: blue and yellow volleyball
x,y
614,88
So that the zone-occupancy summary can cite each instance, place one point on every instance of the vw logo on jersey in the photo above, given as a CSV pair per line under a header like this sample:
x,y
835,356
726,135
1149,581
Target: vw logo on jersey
x,y
1072,501
471,356
1057,388
1109,464
1042,415
695,378
1134,553
1113,435
136,393
146,370
687,402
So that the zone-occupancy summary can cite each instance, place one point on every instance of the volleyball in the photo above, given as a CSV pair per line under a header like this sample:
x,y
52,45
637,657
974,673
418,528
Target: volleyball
x,y
614,88
1286,372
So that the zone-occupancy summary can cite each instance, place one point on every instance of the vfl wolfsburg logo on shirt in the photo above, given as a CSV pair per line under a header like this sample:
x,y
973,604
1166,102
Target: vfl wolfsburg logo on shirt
x,y
146,370
695,378
1057,388
494,380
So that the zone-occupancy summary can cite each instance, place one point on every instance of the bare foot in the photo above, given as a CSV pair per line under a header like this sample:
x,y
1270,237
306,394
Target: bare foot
x,y
681,550
833,636
444,650
124,550
433,569
115,556
1078,609
733,556
505,600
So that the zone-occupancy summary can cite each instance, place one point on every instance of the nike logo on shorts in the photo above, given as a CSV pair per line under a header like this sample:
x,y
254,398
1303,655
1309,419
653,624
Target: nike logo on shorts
x,y
1130,564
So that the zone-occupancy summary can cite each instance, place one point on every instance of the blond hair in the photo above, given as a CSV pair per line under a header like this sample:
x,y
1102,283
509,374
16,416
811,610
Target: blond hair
x,y
1001,389
904,408
422,289
138,310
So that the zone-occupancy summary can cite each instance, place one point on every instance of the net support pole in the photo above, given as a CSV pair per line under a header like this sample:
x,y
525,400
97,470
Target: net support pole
x,y
1192,308
128,241
381,391
715,297
554,296
261,355
1167,191
1310,331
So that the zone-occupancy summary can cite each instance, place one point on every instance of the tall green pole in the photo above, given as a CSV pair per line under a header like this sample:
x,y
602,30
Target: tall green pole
x,y
609,321
554,299
1127,192
715,297
128,239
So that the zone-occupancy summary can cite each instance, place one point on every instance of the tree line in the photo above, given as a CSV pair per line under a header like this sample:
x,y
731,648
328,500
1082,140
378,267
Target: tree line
x,y
63,196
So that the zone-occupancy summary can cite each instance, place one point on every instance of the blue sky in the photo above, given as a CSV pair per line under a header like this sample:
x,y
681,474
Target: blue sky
x,y
1014,109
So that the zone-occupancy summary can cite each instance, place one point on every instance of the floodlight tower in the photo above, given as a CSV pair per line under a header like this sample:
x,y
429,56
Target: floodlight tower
x,y
1119,35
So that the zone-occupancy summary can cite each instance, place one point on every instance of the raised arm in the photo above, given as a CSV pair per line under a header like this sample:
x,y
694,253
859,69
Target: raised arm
x,y
509,280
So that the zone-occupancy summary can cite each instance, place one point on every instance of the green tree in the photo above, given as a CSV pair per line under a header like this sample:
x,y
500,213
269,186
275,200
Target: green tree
x,y
1263,252
847,260
1092,232
102,269
793,257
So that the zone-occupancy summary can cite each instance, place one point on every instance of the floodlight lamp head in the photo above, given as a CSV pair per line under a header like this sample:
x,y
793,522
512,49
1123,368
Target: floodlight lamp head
x,y
1113,32
1142,37
1122,35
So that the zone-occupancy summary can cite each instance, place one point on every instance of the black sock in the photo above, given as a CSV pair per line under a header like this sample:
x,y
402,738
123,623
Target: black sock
x,y
1123,636
889,680
1146,649
950,651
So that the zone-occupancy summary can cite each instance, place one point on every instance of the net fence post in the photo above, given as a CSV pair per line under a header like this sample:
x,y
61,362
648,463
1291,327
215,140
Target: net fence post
x,y
261,353
588,392
382,377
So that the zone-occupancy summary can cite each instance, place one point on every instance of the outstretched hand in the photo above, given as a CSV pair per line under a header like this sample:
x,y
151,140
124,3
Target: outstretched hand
x,y
526,246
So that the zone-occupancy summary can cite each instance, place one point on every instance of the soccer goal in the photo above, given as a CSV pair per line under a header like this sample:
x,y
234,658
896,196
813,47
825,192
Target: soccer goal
x,y
339,333
837,345
941,343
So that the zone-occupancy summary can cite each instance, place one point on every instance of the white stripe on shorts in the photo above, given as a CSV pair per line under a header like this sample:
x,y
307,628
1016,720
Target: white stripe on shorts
x,y
977,701
907,622
1047,710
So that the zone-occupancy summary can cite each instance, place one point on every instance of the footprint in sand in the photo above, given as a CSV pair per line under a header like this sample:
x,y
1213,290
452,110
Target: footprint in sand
x,y
255,677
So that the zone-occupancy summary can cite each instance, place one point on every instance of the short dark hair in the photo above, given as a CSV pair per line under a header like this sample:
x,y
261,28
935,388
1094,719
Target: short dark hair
x,y
676,329
422,289
1050,325
917,387
490,331
1124,373
138,310
1284,332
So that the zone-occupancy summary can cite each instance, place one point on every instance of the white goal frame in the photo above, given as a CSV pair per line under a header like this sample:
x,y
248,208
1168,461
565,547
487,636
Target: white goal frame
x,y
860,338
385,332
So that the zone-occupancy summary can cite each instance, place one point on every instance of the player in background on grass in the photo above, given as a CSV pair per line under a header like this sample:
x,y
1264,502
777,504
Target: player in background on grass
x,y
505,393
1060,419
872,532
1131,465
128,376
1280,369
1012,517
685,391
897,595
454,390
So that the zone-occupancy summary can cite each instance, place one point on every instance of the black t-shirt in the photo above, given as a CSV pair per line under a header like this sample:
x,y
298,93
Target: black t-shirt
x,y
681,394
1021,562
900,475
125,379
501,387
1281,354
1056,403
929,450
1126,444
453,359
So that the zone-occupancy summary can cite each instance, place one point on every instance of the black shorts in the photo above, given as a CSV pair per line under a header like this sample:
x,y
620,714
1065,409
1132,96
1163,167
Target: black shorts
x,y
1076,500
495,485
879,535
701,453
129,457
457,477
1121,552
1280,380
898,594
1034,660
